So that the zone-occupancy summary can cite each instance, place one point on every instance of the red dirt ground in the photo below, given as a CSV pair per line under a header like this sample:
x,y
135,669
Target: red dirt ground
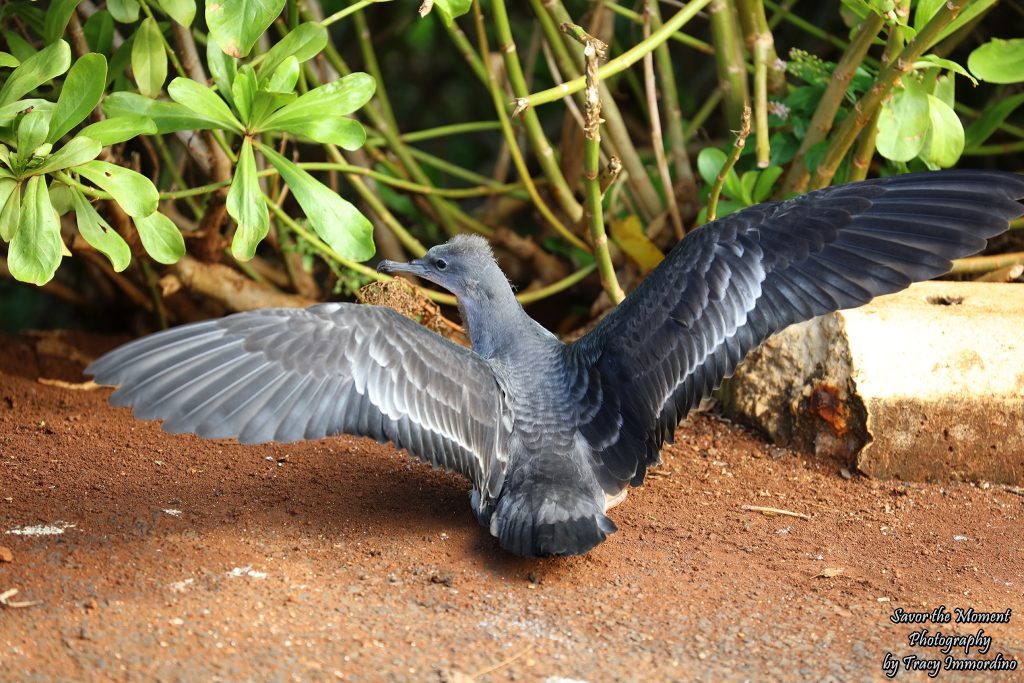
x,y
344,560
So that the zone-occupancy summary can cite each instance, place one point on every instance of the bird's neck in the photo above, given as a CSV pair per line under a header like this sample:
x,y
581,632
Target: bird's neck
x,y
497,324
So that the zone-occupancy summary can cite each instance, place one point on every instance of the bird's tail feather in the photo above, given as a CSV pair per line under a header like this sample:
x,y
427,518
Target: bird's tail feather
x,y
562,525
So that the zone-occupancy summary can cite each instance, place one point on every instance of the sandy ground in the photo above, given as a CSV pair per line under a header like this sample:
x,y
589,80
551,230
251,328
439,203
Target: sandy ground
x,y
172,558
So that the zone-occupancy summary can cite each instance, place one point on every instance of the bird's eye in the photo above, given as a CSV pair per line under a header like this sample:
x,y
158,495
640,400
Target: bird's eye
x,y
440,264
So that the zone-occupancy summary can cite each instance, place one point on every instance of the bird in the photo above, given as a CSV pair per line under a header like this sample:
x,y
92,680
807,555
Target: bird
x,y
550,434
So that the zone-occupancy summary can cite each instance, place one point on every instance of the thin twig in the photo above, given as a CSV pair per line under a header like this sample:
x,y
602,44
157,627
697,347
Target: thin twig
x,y
730,161
534,132
651,91
774,511
593,51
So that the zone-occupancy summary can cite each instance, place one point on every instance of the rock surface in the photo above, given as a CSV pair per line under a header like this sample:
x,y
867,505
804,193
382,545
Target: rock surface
x,y
927,384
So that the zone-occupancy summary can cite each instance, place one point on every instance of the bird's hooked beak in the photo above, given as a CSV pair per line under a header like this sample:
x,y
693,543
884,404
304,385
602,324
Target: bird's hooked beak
x,y
414,267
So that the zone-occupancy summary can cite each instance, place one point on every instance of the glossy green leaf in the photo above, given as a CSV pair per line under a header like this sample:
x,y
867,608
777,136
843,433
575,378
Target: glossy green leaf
x,y
98,233
319,114
204,102
182,11
160,237
60,197
999,61
8,61
32,131
945,89
99,31
124,11
980,131
133,191
335,220
237,24
48,63
939,62
10,207
117,129
223,69
285,76
36,250
903,123
265,103
247,206
303,42
19,47
709,163
451,9
149,61
78,151
9,112
167,116
945,140
243,90
58,14
765,182
79,95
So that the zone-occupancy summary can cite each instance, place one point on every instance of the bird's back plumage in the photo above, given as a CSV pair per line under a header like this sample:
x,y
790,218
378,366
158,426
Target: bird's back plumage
x,y
545,430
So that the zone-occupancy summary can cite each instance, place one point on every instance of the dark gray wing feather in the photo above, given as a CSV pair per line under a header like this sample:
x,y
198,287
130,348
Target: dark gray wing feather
x,y
733,283
290,374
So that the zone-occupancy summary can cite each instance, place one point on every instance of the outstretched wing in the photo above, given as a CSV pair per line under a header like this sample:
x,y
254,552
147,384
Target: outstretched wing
x,y
290,374
733,283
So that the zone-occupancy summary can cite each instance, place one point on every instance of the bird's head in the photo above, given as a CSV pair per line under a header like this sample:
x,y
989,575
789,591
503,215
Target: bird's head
x,y
463,265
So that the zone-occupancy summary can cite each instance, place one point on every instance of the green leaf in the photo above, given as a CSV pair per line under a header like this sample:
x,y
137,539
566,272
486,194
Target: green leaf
x,y
7,60
979,131
247,206
242,92
765,183
133,191
77,152
945,140
9,112
124,11
160,237
339,223
182,11
450,9
19,47
709,163
58,14
223,68
119,128
303,42
99,31
747,182
285,76
945,89
319,114
32,132
266,103
939,62
203,101
10,207
237,24
79,95
51,61
167,116
60,197
149,61
36,249
999,61
903,123
98,233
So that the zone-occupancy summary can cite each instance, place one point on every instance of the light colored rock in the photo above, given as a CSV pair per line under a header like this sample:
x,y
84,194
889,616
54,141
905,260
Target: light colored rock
x,y
926,384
